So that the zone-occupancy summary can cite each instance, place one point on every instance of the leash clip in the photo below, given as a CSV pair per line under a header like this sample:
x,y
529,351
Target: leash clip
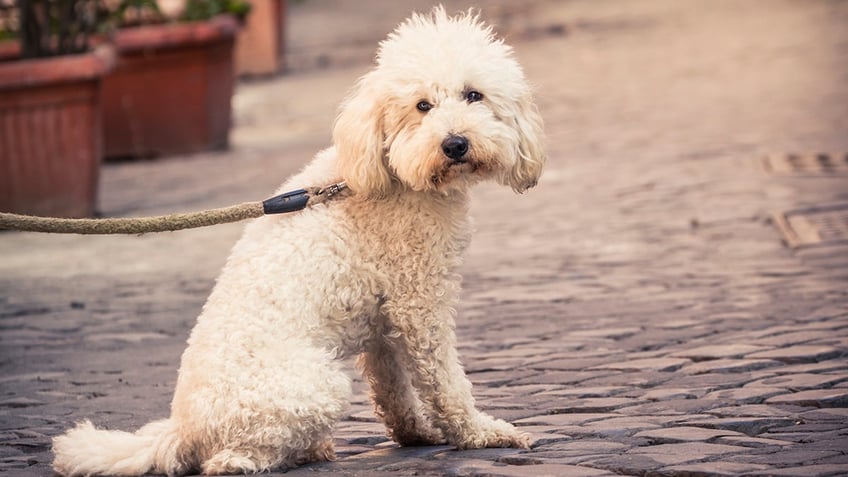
x,y
333,189
298,199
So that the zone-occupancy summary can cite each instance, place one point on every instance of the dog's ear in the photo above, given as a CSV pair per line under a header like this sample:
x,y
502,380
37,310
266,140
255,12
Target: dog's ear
x,y
530,156
359,140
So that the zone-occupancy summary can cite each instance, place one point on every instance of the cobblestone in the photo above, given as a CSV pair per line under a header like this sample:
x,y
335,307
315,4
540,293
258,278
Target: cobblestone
x,y
718,351
799,354
672,454
684,434
636,313
815,470
729,366
813,397
713,469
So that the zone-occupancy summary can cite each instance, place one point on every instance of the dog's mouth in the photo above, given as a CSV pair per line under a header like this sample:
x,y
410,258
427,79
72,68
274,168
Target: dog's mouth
x,y
456,169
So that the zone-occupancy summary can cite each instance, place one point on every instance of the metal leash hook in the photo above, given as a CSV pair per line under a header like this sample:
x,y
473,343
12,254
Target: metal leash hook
x,y
333,189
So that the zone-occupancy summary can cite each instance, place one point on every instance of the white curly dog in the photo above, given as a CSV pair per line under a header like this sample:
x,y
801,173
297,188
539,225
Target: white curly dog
x,y
374,273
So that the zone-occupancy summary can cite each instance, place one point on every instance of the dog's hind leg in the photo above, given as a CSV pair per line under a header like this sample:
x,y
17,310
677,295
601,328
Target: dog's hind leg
x,y
394,397
283,415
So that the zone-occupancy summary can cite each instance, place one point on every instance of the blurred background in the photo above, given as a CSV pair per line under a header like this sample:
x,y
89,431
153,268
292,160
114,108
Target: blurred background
x,y
173,78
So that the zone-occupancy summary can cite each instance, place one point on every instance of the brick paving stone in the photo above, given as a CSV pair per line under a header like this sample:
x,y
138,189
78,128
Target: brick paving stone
x,y
793,338
561,377
671,454
539,429
617,427
587,405
670,435
711,469
585,446
798,354
344,449
756,410
687,450
626,464
663,394
511,415
492,454
786,457
746,395
839,459
751,426
524,352
647,354
798,382
837,413
655,364
529,389
364,415
568,364
501,401
528,458
561,419
494,364
704,353
678,324
540,470
811,427
799,437
729,366
586,392
832,365
499,378
546,438
672,407
716,380
814,397
611,333
643,379
815,470
747,441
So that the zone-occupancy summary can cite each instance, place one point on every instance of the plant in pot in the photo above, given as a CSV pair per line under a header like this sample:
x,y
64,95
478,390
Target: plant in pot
x,y
173,80
50,93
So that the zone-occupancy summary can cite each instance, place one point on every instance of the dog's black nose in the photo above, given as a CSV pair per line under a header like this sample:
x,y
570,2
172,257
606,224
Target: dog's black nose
x,y
455,147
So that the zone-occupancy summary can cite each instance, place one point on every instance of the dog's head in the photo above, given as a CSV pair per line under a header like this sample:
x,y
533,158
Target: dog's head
x,y
446,106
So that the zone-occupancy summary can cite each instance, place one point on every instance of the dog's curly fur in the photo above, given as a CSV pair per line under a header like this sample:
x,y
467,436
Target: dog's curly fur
x,y
374,274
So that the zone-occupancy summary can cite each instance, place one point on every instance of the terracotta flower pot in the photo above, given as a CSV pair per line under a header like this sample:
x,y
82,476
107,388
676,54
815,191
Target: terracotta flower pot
x,y
170,90
261,42
50,133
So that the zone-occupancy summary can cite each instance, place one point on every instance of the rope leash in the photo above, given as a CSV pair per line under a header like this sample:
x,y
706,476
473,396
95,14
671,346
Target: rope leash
x,y
280,204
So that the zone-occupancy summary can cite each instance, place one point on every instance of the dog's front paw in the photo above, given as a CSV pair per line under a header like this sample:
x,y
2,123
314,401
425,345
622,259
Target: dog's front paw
x,y
494,433
417,434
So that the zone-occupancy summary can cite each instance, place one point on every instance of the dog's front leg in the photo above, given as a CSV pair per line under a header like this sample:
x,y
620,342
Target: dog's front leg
x,y
427,342
395,399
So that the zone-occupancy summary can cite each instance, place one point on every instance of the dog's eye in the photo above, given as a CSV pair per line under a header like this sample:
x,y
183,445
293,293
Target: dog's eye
x,y
424,106
473,96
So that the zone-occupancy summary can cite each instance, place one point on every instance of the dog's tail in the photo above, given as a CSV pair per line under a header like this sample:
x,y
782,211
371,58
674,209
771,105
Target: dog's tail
x,y
85,451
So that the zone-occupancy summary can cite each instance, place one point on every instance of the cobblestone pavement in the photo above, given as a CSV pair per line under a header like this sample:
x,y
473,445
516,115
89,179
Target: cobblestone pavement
x,y
637,313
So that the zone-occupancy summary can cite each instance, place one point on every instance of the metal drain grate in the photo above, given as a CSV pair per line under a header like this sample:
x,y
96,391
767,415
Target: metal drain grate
x,y
814,226
807,164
